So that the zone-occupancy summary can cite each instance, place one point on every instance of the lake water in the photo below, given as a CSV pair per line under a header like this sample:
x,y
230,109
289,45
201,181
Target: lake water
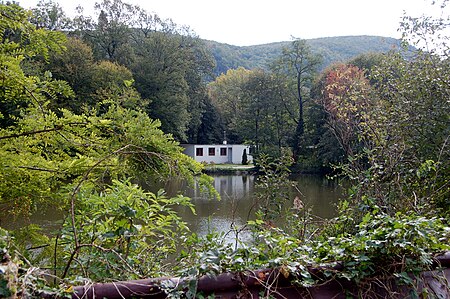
x,y
234,209
237,206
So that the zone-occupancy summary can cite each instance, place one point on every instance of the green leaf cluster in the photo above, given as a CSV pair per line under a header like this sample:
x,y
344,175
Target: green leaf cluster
x,y
122,232
382,244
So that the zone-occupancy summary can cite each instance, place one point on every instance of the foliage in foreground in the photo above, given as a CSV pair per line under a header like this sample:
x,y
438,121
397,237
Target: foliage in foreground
x,y
82,163
115,231
369,251
364,249
383,245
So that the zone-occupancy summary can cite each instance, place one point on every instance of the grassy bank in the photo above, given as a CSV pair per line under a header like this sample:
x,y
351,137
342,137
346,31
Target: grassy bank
x,y
229,168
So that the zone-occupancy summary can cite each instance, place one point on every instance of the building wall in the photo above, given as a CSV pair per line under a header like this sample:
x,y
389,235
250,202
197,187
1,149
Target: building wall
x,y
238,150
216,158
215,153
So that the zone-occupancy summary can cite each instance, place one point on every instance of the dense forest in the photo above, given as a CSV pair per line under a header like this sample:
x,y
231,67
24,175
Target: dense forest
x,y
94,108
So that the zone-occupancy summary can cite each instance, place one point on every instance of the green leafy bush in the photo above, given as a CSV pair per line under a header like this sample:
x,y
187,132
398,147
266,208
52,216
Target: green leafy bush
x,y
122,232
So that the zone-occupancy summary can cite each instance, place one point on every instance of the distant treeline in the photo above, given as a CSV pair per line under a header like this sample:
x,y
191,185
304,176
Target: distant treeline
x,y
332,49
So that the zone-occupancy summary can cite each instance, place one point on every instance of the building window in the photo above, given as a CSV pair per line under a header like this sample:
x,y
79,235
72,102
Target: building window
x,y
199,152
211,151
223,151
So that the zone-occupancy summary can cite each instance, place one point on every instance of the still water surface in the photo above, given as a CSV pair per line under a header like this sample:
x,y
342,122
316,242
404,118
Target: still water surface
x,y
237,204
233,210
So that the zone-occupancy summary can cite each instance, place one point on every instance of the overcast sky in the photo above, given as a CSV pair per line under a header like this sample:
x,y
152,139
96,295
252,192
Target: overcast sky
x,y
251,22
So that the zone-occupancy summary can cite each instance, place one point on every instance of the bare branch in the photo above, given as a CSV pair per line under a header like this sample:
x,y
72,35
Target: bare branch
x,y
56,128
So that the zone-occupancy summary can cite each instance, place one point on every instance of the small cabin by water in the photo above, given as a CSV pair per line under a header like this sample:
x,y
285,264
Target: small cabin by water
x,y
218,153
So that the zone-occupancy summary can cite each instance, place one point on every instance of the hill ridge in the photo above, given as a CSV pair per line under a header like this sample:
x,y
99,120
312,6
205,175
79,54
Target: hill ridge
x,y
333,49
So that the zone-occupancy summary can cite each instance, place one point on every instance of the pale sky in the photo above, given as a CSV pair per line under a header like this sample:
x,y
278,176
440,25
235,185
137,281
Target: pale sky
x,y
251,22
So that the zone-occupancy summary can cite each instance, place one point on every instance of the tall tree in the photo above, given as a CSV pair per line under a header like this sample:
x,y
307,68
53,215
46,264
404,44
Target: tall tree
x,y
346,99
20,42
264,121
226,94
110,32
50,15
75,66
198,72
170,64
160,68
251,104
297,66
211,126
168,61
400,124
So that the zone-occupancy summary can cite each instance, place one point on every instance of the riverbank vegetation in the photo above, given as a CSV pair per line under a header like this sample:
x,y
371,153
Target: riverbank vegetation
x,y
90,107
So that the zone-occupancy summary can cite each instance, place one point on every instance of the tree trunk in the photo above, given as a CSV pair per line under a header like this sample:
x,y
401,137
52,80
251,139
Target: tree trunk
x,y
299,131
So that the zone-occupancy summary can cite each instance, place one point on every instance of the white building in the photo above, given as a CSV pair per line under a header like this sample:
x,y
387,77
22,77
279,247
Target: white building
x,y
218,153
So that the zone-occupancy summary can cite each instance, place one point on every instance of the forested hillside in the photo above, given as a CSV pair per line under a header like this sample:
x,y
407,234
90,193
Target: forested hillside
x,y
332,49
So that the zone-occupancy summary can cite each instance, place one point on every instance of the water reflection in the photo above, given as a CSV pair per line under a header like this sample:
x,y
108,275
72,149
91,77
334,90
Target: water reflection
x,y
237,205
231,211
320,194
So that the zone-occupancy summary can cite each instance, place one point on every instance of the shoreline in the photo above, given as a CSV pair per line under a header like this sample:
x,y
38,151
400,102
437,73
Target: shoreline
x,y
229,169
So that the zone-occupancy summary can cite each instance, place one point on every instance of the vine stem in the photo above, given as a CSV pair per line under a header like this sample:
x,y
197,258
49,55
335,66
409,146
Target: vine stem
x,y
75,191
55,259
73,200
77,248
56,128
